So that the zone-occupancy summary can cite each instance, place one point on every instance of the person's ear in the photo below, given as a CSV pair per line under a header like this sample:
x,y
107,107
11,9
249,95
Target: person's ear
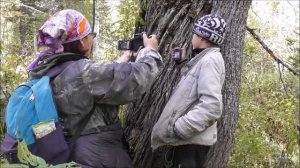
x,y
81,44
83,47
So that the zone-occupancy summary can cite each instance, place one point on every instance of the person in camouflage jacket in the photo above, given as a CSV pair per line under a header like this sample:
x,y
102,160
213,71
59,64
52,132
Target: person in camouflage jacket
x,y
85,86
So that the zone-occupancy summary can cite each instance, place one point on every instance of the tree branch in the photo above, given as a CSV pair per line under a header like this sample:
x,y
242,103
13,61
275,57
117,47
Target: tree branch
x,y
30,7
276,58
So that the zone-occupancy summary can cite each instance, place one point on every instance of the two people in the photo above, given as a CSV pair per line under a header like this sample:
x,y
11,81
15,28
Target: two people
x,y
188,121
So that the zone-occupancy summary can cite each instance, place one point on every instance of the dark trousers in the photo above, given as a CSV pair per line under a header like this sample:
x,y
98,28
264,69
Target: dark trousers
x,y
187,156
102,150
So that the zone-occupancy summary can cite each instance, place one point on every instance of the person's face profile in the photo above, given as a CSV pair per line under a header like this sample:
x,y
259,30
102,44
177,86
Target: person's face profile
x,y
86,44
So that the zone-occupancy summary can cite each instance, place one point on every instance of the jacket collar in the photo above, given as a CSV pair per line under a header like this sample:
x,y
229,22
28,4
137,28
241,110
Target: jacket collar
x,y
196,51
203,53
196,59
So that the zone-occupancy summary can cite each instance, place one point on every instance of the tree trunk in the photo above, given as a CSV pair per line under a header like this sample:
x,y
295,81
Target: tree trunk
x,y
22,31
27,23
171,20
96,46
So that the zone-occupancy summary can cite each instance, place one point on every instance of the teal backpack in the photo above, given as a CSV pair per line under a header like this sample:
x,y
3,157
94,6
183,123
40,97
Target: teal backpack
x,y
31,103
31,116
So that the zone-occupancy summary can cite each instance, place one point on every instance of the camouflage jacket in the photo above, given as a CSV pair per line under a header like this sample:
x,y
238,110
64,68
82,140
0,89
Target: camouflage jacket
x,y
85,83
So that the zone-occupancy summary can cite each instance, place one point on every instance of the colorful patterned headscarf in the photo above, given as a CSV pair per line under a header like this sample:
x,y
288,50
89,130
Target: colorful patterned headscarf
x,y
63,27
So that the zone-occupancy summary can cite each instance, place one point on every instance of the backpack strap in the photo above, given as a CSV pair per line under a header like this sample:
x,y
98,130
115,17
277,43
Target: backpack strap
x,y
50,64
53,72
52,67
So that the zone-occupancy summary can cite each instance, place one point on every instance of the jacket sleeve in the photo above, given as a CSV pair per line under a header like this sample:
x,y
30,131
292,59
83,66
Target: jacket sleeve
x,y
208,110
120,83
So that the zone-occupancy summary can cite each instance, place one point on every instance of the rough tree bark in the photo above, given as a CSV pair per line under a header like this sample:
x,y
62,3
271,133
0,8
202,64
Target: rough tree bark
x,y
171,20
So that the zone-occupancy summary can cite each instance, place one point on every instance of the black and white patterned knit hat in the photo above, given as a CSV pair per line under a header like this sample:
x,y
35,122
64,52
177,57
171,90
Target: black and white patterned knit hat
x,y
211,27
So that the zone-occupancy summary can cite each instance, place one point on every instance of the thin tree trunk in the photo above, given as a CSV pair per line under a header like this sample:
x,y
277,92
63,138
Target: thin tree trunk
x,y
171,20
22,31
96,47
27,22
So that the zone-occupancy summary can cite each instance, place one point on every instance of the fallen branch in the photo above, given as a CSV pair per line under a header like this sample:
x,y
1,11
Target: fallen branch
x,y
258,39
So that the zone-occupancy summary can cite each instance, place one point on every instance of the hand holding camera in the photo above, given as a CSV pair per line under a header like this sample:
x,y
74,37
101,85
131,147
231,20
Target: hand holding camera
x,y
128,56
150,42
179,54
139,40
133,46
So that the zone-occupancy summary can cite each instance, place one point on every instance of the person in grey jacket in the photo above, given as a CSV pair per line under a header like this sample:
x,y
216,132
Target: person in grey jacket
x,y
82,86
189,119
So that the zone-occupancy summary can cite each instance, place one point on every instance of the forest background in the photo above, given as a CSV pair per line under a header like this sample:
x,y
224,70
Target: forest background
x,y
267,134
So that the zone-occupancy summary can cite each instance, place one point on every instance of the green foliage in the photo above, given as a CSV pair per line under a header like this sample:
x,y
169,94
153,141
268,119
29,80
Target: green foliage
x,y
8,9
124,28
83,6
5,164
106,38
12,73
275,6
266,132
294,49
29,160
129,16
112,31
256,59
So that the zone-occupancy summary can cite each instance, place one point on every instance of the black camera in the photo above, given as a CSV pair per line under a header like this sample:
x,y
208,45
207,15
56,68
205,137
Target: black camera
x,y
133,44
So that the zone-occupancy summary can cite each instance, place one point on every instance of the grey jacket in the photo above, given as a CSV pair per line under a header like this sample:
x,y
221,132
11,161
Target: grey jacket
x,y
190,115
86,83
